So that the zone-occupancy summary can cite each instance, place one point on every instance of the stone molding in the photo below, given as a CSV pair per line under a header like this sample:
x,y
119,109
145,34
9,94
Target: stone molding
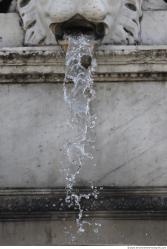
x,y
114,203
115,64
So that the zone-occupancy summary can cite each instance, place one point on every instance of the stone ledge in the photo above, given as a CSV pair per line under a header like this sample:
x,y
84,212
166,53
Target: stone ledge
x,y
115,203
115,63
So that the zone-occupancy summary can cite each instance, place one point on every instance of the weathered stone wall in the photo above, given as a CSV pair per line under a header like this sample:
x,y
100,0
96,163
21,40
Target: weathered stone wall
x,y
11,33
153,25
131,138
131,142
130,105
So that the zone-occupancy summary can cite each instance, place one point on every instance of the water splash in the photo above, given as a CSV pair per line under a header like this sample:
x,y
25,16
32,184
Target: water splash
x,y
79,94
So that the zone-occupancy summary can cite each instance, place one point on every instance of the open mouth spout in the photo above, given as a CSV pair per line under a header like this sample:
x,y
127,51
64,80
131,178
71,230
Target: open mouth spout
x,y
77,26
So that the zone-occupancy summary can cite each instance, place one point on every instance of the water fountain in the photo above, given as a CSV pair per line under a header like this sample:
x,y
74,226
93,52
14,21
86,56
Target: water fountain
x,y
69,126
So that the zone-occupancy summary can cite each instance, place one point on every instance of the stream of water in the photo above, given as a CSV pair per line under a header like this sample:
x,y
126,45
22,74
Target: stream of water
x,y
78,95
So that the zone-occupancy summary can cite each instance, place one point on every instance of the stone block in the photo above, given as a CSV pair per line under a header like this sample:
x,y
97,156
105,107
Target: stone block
x,y
11,33
111,232
131,136
153,29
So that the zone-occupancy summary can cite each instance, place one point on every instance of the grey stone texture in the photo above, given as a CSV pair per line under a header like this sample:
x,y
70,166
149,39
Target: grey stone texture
x,y
112,232
153,30
131,137
154,5
11,33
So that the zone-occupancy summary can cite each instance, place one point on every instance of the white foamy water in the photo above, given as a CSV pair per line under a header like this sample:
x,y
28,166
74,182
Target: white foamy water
x,y
78,95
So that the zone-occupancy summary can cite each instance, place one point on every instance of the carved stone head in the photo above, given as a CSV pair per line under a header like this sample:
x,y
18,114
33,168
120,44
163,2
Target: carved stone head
x,y
47,21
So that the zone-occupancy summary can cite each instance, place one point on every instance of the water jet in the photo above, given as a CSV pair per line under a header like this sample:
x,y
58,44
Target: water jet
x,y
91,148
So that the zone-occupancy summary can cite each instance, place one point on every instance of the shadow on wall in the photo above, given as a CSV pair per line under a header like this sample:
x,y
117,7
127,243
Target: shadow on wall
x,y
7,6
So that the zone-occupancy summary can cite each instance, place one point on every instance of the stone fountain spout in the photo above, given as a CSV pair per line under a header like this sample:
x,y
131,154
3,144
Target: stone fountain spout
x,y
78,25
113,21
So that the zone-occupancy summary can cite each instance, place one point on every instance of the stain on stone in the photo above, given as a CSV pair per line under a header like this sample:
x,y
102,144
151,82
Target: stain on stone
x,y
48,232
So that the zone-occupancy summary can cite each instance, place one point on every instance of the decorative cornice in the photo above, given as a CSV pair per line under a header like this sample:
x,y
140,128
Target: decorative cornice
x,y
115,203
115,64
